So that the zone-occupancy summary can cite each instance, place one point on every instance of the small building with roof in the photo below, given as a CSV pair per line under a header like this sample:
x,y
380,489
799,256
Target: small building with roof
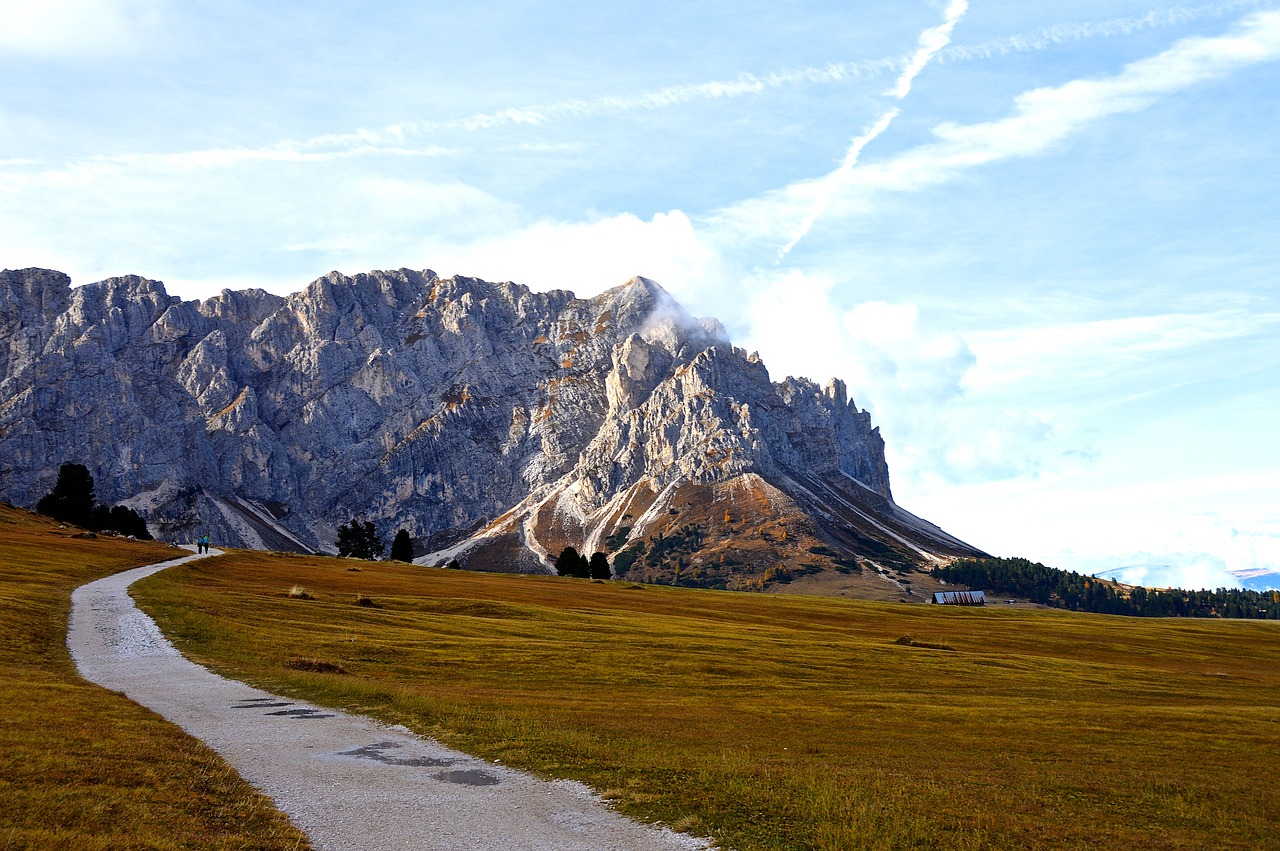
x,y
960,598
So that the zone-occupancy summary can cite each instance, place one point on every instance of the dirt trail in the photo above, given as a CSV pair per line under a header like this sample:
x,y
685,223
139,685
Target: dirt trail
x,y
347,781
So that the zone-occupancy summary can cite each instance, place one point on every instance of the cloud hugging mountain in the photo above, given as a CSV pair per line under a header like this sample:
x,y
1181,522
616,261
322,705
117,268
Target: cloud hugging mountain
x,y
494,423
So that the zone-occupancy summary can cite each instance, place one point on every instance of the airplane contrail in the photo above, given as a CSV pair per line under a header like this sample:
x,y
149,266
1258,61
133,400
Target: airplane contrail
x,y
931,41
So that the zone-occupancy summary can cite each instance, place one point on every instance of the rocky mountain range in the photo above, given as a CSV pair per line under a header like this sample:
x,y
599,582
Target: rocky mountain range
x,y
496,424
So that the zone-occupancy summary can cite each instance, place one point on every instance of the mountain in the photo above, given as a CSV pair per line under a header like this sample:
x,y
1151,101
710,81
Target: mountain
x,y
496,424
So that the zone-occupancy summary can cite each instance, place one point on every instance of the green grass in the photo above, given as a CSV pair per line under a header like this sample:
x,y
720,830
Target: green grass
x,y
779,722
85,768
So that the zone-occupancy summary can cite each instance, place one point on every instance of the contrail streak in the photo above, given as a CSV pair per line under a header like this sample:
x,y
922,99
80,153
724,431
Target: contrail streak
x,y
391,140
931,41
828,184
1046,37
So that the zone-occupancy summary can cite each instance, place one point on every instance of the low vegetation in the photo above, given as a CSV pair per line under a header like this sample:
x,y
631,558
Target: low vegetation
x,y
780,722
85,768
1063,589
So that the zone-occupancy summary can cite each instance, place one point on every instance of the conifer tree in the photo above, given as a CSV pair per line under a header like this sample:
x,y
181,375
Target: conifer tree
x,y
359,540
402,546
71,499
599,566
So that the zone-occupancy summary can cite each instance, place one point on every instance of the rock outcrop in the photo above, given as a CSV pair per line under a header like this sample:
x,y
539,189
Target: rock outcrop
x,y
494,423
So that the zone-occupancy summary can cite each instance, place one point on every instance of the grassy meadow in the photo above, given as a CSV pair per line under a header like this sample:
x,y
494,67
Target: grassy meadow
x,y
773,722
84,768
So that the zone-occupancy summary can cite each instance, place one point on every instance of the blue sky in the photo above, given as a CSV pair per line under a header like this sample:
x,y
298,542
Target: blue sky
x,y
1039,241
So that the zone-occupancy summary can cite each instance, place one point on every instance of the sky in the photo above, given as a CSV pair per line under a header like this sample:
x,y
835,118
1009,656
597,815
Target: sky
x,y
1040,242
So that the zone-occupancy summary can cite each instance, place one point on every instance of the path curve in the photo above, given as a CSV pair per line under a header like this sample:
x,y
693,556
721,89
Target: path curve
x,y
347,781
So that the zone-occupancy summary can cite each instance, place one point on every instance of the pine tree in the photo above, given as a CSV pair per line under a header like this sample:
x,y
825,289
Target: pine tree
x,y
359,540
122,519
571,563
402,546
72,498
598,567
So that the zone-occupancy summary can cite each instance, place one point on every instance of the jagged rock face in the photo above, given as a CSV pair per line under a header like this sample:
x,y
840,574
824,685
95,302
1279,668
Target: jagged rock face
x,y
435,405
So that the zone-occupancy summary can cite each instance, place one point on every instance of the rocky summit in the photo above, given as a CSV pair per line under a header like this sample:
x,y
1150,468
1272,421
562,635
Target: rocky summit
x,y
496,424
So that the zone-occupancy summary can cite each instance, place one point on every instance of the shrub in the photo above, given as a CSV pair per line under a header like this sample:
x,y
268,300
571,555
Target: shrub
x,y
319,666
623,561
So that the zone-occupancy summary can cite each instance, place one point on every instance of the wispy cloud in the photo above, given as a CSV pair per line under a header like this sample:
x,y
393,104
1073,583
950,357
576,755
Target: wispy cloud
x,y
32,28
934,44
1040,118
1020,354
1058,34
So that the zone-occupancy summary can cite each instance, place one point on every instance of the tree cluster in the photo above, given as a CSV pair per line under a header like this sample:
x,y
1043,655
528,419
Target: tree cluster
x,y
359,540
72,500
1064,589
571,563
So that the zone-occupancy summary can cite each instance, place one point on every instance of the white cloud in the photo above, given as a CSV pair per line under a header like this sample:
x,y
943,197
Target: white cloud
x,y
1192,571
1045,116
1202,550
911,380
1092,349
1175,529
189,227
74,28
1041,118
588,257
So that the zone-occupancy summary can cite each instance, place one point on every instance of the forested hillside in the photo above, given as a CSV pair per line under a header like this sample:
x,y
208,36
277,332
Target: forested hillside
x,y
1064,589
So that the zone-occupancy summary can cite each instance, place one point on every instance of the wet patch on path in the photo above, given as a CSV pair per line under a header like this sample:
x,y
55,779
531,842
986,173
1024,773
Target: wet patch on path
x,y
302,713
378,752
467,777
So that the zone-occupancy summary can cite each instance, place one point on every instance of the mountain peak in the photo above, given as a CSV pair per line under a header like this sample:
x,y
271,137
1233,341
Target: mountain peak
x,y
490,421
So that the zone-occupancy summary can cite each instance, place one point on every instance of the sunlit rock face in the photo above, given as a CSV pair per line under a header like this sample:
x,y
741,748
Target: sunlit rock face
x,y
442,406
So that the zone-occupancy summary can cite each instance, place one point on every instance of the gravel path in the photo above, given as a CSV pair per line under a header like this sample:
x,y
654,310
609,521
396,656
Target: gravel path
x,y
347,781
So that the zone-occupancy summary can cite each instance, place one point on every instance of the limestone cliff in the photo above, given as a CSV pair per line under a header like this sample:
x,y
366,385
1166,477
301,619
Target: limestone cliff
x,y
494,423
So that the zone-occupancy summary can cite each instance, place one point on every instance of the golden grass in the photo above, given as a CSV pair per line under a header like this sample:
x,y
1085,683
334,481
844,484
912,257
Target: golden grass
x,y
780,722
85,768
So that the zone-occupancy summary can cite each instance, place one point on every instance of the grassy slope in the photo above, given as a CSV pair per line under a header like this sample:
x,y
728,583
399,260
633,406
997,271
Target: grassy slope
x,y
774,722
85,768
